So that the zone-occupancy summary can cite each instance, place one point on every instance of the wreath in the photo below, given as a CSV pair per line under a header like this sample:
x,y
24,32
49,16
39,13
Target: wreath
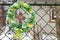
x,y
26,26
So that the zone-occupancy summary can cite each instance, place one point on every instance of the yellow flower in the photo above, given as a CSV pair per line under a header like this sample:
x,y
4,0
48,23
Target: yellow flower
x,y
12,9
30,24
30,10
22,3
11,20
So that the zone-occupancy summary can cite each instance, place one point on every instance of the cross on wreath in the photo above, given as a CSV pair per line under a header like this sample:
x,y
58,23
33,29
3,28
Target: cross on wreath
x,y
20,17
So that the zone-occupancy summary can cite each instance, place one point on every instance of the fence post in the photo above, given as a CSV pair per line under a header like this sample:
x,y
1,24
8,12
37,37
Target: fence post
x,y
58,22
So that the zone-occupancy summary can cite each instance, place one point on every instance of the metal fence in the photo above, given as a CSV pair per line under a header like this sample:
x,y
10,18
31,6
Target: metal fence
x,y
44,28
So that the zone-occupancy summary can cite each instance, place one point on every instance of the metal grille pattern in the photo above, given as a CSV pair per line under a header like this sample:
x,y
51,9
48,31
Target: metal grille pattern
x,y
44,28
